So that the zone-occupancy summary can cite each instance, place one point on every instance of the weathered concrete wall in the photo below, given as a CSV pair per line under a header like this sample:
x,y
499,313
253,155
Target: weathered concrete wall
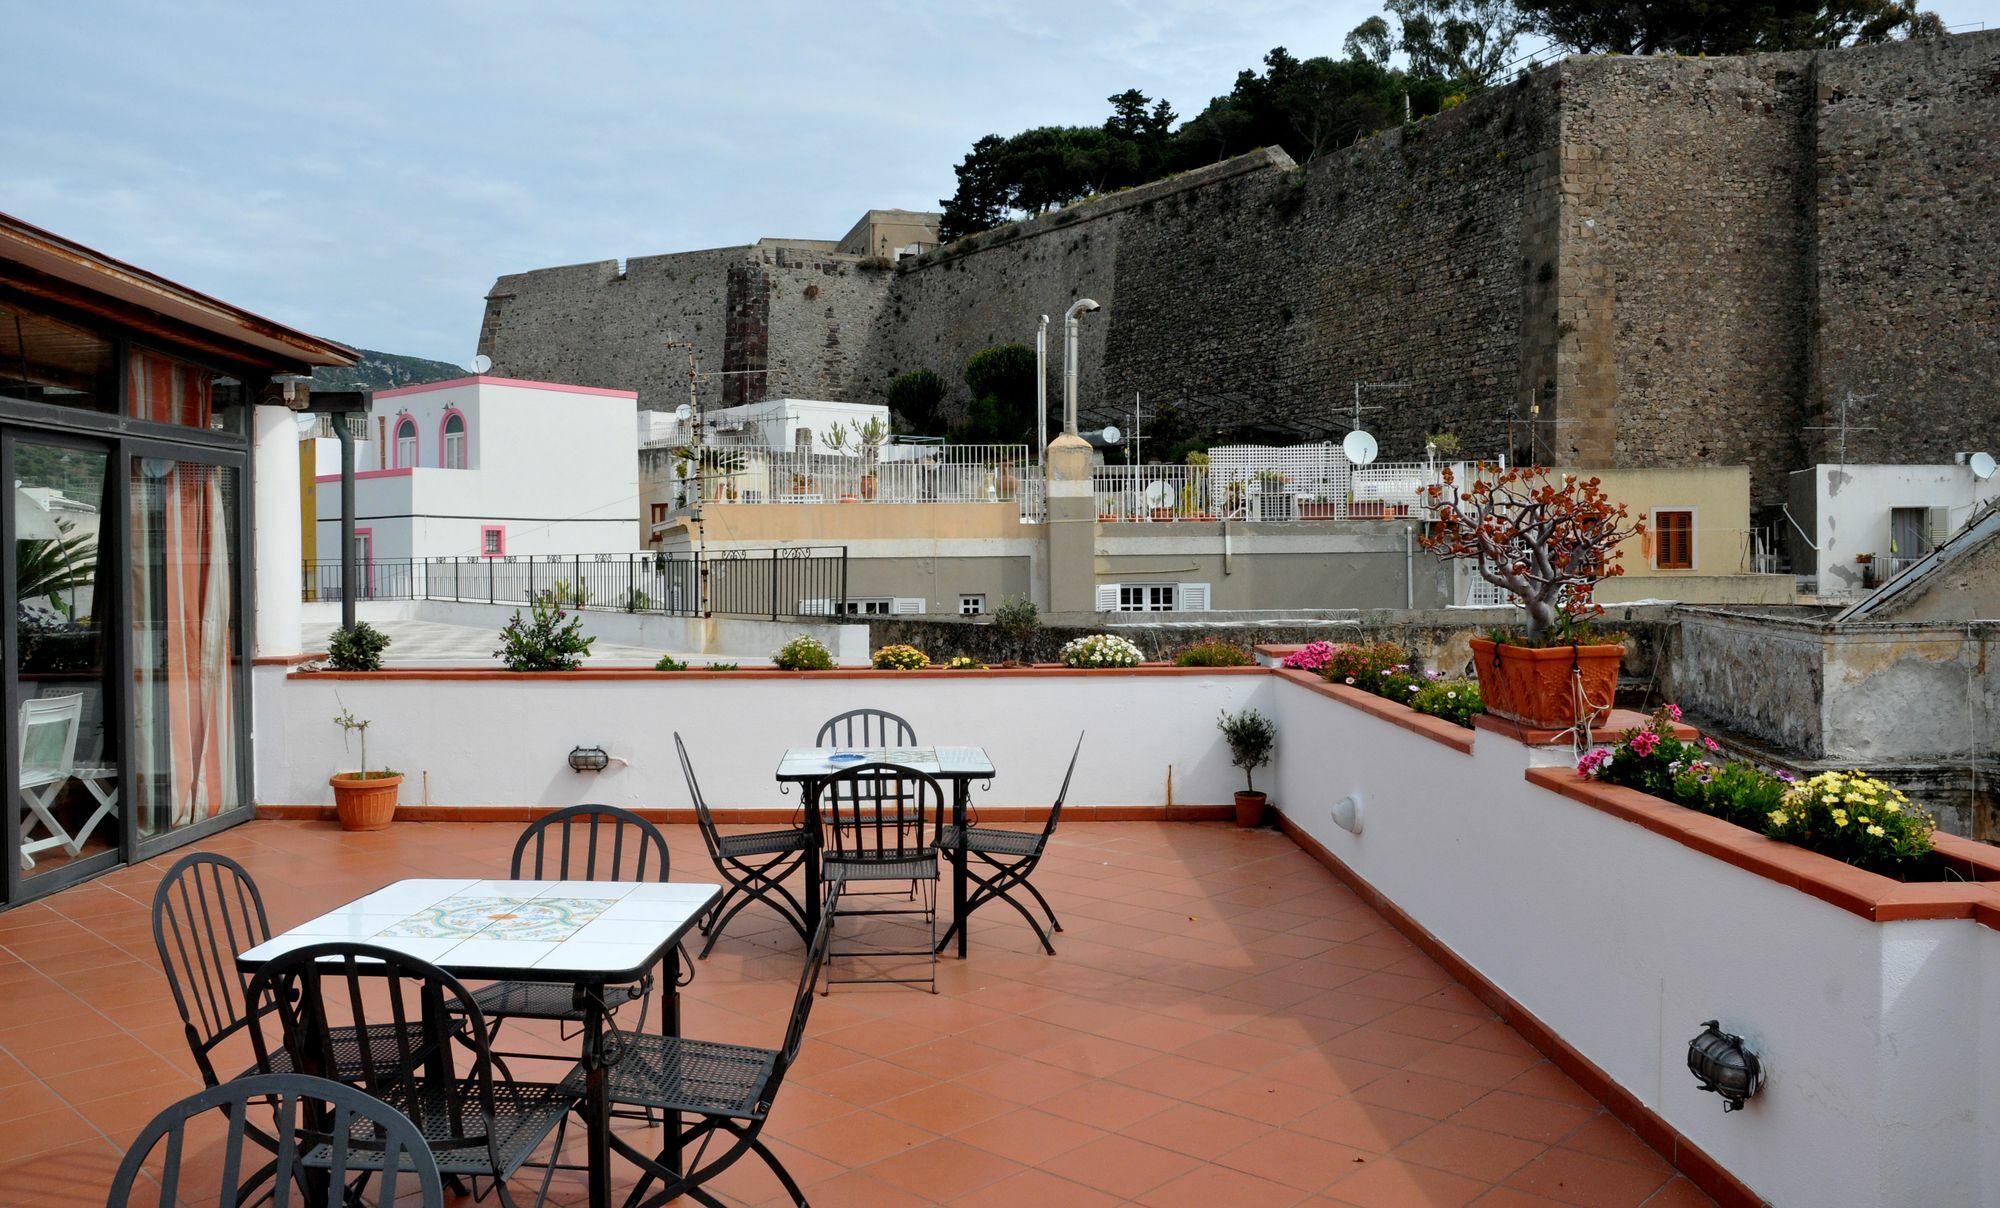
x,y
1908,247
1759,675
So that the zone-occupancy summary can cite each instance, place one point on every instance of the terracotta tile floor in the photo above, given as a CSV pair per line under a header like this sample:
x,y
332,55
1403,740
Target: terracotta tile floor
x,y
1226,1024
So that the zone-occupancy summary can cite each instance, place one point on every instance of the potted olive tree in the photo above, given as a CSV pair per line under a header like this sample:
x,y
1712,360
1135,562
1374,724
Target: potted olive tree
x,y
1548,542
364,800
1250,736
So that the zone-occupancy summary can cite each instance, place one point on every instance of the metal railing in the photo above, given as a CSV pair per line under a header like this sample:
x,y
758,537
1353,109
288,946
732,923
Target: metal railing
x,y
1262,484
883,474
791,581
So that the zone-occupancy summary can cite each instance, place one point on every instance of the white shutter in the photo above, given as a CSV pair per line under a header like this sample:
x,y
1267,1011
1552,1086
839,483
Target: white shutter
x,y
1193,597
1939,522
816,608
1107,597
908,606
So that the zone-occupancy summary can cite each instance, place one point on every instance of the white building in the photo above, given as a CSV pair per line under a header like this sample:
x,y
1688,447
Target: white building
x,y
486,467
800,424
1855,526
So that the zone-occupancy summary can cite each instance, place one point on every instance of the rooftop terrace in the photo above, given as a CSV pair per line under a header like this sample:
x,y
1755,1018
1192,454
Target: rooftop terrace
x,y
1225,1024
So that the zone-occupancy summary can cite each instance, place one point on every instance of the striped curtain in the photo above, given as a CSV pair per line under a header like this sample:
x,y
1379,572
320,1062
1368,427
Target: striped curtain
x,y
167,391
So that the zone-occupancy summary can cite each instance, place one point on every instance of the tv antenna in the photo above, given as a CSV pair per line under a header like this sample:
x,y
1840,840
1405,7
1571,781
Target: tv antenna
x,y
1843,427
1533,422
1355,426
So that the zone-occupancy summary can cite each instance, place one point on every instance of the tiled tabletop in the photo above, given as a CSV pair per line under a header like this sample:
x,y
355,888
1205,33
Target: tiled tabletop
x,y
557,930
802,763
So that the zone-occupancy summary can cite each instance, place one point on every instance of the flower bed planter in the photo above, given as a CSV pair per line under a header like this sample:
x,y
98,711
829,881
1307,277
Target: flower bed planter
x,y
1531,685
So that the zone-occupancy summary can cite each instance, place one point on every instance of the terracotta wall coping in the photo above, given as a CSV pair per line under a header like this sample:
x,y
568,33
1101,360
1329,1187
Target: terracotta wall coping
x,y
1615,723
764,815
1437,729
1871,895
1277,651
763,673
286,660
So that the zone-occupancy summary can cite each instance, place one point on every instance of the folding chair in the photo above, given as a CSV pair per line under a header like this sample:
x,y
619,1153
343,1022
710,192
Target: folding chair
x,y
860,728
878,823
47,762
998,862
754,866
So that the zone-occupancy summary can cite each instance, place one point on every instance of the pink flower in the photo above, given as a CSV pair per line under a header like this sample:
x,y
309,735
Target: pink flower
x,y
1711,744
1645,743
1674,711
1593,760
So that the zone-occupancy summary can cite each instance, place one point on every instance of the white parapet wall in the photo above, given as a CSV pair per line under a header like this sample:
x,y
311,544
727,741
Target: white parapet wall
x,y
495,739
1883,1063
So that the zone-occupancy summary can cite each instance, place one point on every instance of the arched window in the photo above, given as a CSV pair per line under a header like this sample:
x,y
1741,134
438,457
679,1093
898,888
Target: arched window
x,y
406,442
454,441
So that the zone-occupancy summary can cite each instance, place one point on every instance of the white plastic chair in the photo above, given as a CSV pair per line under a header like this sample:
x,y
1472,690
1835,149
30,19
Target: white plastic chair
x,y
48,760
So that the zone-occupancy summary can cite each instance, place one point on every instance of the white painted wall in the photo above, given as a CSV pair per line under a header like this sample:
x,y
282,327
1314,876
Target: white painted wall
x,y
556,466
276,540
775,423
1853,502
507,741
1876,1039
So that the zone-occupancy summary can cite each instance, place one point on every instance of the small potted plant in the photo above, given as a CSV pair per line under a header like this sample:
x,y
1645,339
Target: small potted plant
x,y
364,800
1549,543
1250,736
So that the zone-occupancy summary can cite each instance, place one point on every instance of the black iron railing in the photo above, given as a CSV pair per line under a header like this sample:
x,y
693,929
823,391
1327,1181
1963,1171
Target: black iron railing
x,y
777,583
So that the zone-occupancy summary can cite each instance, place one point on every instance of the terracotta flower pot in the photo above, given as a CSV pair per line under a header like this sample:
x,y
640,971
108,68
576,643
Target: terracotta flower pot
x,y
1531,685
365,804
1250,809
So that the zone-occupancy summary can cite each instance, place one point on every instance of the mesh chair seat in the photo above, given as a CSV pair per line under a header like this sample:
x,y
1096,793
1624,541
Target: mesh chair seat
x,y
528,1000
762,843
524,1113
913,868
347,1058
987,839
673,1074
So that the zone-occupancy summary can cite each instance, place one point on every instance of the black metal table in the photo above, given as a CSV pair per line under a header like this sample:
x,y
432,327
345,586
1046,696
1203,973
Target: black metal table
x,y
591,934
809,768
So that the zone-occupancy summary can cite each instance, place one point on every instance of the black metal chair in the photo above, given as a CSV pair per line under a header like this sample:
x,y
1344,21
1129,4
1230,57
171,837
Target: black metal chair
x,y
579,843
862,728
879,823
320,1126
754,866
717,1092
206,910
998,862
473,1124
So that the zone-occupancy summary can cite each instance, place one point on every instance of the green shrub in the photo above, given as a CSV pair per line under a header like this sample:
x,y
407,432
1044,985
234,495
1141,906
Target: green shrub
x,y
357,649
564,594
636,600
964,662
1100,650
669,663
803,653
1455,700
916,398
900,657
1251,738
551,640
1366,665
722,667
1214,652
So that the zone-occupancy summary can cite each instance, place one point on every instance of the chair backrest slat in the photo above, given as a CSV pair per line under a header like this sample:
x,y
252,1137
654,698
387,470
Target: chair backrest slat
x,y
861,728
296,1101
591,843
205,911
705,821
880,811
802,1002
1055,811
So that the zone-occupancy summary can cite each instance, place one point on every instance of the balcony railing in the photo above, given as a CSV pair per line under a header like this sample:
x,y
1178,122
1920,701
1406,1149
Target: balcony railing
x,y
1234,486
791,581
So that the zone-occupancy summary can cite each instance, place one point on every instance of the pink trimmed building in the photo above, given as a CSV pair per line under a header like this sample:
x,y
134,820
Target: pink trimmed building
x,y
484,467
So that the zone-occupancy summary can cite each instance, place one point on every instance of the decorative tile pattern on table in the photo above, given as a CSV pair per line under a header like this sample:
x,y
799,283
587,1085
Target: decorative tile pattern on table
x,y
500,918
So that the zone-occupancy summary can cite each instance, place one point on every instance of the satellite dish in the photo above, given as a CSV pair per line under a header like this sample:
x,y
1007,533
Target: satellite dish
x,y
1982,465
1159,494
481,363
1359,447
1112,435
683,412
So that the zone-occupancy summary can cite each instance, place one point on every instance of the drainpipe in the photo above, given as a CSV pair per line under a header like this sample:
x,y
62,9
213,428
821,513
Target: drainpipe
x,y
1080,307
1409,567
1042,397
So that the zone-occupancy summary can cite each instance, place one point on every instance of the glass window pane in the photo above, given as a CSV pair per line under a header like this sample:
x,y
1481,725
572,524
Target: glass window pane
x,y
45,360
184,642
68,791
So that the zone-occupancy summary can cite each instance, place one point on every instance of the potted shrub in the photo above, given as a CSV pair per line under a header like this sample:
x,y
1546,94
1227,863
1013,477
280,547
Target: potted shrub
x,y
1100,650
802,653
1250,736
900,657
364,800
550,640
356,649
1549,543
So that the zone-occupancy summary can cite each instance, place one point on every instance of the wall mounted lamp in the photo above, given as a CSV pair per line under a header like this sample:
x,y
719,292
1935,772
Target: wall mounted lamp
x,y
1721,1064
588,759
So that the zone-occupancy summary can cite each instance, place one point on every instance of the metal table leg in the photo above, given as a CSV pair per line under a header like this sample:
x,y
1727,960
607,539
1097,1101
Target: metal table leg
x,y
596,1095
960,800
810,792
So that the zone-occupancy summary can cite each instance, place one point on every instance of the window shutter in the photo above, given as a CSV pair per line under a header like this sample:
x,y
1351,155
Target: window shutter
x,y
1194,597
1107,597
1673,539
1940,526
907,606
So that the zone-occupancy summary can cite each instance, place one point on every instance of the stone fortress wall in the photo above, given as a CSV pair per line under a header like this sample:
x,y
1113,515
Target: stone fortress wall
x,y
1678,261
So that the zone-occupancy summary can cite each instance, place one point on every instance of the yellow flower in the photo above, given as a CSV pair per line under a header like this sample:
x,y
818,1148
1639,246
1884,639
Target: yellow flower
x,y
1875,831
1840,817
1779,817
1830,799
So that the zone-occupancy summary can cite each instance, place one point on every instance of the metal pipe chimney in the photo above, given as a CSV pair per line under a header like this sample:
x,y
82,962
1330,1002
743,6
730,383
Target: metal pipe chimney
x,y
1080,307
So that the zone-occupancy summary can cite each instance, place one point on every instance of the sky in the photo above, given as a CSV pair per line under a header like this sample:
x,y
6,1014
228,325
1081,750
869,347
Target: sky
x,y
365,171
